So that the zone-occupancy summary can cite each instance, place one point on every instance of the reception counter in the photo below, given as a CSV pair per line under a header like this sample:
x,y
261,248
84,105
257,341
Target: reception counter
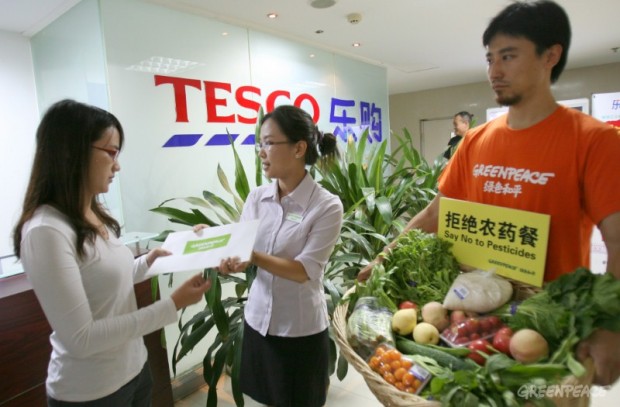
x,y
25,347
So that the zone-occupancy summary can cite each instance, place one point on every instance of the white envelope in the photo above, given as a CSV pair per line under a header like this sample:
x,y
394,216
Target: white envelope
x,y
193,251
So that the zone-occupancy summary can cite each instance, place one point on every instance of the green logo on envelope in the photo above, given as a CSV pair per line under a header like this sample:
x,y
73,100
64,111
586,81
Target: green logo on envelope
x,y
203,245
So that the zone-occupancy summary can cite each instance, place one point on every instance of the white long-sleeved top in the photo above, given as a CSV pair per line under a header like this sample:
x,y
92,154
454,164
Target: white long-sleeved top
x,y
302,226
97,343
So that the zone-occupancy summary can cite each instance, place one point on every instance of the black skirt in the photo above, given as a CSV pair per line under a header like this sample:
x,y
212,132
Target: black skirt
x,y
285,372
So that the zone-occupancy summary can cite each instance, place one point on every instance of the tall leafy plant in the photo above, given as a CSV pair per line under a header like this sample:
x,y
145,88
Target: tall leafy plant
x,y
379,192
225,315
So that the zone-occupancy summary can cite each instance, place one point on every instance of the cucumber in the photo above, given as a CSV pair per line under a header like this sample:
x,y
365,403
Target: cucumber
x,y
459,351
442,357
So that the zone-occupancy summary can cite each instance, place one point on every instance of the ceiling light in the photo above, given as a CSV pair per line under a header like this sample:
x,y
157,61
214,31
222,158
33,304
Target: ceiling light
x,y
311,55
163,65
272,15
354,18
322,3
357,44
224,34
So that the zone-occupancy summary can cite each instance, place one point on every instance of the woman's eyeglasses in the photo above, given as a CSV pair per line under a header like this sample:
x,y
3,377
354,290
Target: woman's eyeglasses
x,y
268,144
113,153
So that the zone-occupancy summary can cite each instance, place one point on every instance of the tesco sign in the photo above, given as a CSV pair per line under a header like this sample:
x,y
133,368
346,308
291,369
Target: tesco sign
x,y
221,95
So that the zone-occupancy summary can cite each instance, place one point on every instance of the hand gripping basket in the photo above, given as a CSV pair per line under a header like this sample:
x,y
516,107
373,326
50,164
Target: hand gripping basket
x,y
390,396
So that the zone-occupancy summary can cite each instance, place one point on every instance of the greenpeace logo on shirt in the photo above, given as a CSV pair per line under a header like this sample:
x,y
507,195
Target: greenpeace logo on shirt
x,y
512,174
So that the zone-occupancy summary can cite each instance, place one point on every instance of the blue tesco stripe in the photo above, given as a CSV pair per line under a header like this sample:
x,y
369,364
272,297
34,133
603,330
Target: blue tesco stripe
x,y
183,140
221,139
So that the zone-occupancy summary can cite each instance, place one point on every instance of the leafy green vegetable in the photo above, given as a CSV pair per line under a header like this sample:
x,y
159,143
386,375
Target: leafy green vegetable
x,y
567,311
578,302
373,287
541,314
420,268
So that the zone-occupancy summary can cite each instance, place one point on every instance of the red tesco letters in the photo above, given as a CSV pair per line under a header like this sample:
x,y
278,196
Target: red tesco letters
x,y
217,98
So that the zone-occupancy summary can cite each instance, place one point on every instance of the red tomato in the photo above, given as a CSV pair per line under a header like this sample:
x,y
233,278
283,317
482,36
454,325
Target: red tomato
x,y
486,325
501,342
494,321
407,304
462,331
473,325
479,345
462,340
504,331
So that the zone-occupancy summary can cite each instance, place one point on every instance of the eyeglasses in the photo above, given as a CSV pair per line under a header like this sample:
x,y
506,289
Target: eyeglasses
x,y
113,153
268,144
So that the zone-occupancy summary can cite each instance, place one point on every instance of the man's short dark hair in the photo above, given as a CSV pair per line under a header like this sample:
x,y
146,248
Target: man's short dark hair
x,y
543,22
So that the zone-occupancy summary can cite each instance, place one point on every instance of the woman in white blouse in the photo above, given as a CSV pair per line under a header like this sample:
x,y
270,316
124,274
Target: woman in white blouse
x,y
286,342
81,273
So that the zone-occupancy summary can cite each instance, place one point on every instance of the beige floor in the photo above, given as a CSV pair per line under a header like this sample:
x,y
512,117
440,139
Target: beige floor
x,y
353,391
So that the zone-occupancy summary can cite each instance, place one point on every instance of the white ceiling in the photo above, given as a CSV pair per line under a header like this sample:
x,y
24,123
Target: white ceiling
x,y
424,44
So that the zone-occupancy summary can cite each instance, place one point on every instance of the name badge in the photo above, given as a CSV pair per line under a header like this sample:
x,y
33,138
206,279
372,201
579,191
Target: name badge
x,y
294,217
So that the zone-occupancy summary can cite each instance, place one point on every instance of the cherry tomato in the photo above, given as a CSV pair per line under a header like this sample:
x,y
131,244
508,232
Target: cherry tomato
x,y
462,331
495,322
501,342
479,345
504,331
408,304
486,325
462,340
473,325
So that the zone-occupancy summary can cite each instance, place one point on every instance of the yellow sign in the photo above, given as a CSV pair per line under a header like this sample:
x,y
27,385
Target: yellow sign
x,y
510,241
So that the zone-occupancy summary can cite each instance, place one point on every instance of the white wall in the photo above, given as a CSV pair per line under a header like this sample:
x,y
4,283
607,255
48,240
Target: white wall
x,y
409,110
91,53
19,117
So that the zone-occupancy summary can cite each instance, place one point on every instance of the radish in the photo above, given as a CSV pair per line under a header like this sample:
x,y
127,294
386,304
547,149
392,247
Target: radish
x,y
528,346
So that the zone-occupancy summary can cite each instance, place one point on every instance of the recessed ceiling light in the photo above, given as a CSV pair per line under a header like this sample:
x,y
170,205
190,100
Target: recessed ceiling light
x,y
224,34
311,55
322,3
357,44
272,15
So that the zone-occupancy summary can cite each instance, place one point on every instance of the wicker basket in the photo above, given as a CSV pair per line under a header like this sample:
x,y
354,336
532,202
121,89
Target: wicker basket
x,y
387,394
390,396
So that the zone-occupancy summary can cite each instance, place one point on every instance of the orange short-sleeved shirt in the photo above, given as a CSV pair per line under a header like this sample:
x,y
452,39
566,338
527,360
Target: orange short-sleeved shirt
x,y
567,166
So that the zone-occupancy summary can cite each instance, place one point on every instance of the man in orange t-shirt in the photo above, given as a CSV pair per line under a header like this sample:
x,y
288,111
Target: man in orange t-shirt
x,y
540,157
561,166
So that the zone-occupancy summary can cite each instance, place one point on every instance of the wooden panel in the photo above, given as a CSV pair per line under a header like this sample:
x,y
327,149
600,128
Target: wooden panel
x,y
158,357
25,348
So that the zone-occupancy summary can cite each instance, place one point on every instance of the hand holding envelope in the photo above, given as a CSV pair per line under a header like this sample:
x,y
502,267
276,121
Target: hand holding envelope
x,y
207,247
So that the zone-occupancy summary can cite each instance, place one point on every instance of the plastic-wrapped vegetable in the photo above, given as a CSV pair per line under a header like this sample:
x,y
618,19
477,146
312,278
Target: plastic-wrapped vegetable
x,y
369,325
478,291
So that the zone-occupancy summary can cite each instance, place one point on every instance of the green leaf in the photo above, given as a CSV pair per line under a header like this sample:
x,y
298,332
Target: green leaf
x,y
241,180
191,340
224,182
222,204
236,366
214,300
186,218
385,209
343,367
257,161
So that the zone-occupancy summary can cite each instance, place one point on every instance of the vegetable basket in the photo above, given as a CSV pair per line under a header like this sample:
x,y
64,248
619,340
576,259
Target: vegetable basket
x,y
390,396
387,394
